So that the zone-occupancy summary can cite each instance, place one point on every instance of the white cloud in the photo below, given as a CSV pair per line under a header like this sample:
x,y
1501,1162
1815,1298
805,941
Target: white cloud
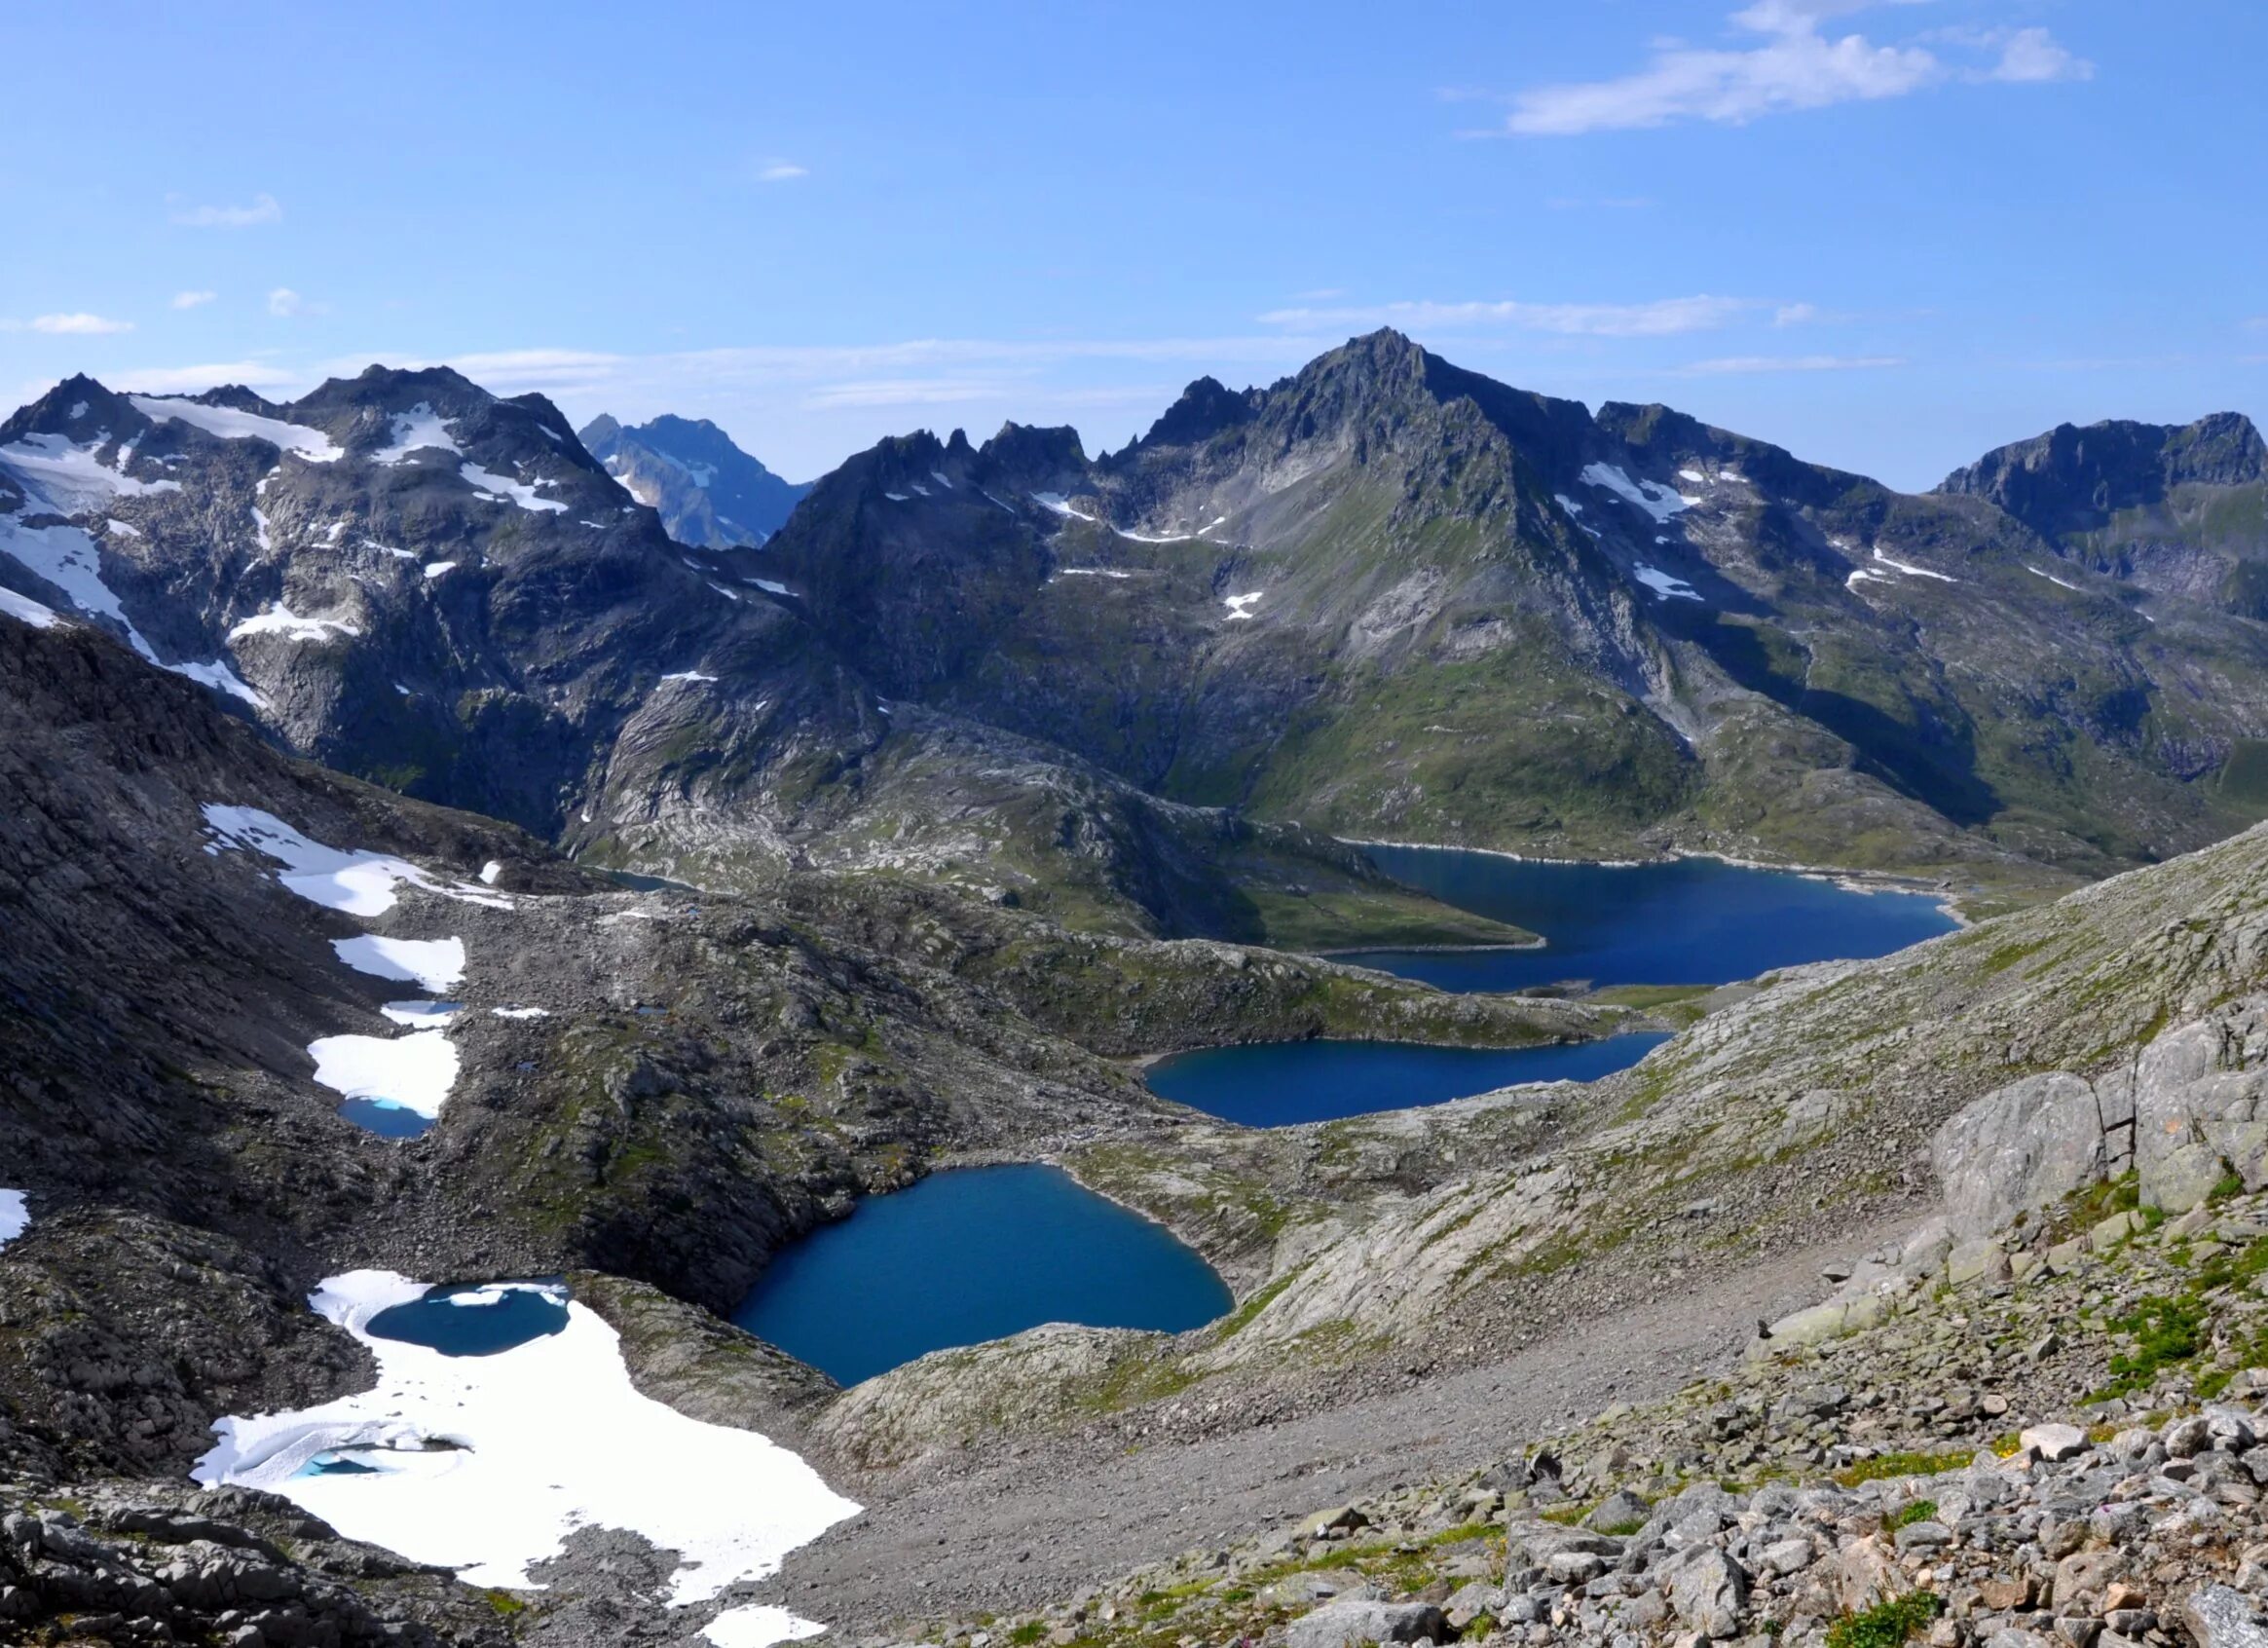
x,y
1792,65
191,300
263,210
781,172
909,391
2032,57
188,380
1660,317
1795,313
1741,364
79,326
287,305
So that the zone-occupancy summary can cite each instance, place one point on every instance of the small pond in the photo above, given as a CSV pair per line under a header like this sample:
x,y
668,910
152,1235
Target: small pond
x,y
970,1254
385,1118
1277,1083
1689,922
475,1319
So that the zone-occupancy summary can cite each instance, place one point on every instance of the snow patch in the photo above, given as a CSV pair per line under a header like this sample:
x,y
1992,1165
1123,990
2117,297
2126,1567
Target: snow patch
x,y
770,587
1656,500
521,1012
1241,606
486,1464
1090,572
221,679
899,496
438,569
423,1015
1664,586
506,490
490,871
417,430
25,609
728,594
432,965
230,424
1566,503
1911,571
280,619
2054,580
1057,503
122,529
938,476
688,675
414,1071
63,479
357,884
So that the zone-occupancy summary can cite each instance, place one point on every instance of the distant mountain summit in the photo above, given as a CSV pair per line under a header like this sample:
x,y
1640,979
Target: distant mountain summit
x,y
2172,509
709,493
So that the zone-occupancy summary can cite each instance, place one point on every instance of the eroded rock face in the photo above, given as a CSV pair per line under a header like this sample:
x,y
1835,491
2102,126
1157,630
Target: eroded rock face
x,y
2191,1108
2022,1147
2200,1106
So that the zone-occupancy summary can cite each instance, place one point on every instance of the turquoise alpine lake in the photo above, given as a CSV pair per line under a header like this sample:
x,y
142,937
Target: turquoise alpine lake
x,y
1689,921
385,1118
970,1254
1277,1083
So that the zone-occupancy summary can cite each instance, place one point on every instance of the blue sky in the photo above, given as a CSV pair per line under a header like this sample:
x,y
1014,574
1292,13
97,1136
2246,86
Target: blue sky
x,y
1886,235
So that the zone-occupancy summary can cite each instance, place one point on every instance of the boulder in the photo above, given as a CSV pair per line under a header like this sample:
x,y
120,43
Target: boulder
x,y
2020,1148
1709,1592
1353,1621
2218,1617
2054,1443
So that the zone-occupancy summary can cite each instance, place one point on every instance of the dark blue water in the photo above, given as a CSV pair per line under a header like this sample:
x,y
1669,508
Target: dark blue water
x,y
337,1465
482,1325
1690,921
1277,1083
385,1118
972,1255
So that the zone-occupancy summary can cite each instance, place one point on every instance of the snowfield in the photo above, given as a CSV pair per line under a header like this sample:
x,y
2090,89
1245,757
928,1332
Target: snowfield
x,y
229,424
432,965
486,1464
414,1071
359,884
280,619
417,430
1656,500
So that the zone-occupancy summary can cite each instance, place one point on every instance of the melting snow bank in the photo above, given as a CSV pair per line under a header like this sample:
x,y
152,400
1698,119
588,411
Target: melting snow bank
x,y
432,965
1665,585
1656,500
359,883
15,1216
410,1073
486,1464
25,609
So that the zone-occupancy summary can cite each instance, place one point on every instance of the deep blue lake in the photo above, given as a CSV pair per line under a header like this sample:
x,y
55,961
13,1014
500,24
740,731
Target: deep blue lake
x,y
1689,922
473,1319
970,1254
1277,1083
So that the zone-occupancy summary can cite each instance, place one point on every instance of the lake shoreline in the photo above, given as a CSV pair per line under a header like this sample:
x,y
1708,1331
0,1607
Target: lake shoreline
x,y
1868,882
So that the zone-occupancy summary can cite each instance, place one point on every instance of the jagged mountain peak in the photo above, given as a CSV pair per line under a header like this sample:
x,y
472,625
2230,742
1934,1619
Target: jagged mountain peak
x,y
2074,478
710,493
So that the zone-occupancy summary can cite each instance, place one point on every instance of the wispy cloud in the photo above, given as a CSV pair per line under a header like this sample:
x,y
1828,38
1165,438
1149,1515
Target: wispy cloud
x,y
193,300
1659,317
1735,365
265,208
287,305
77,325
177,379
781,172
1788,62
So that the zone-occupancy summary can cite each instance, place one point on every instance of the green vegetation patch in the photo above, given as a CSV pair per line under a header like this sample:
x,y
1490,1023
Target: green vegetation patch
x,y
1886,1625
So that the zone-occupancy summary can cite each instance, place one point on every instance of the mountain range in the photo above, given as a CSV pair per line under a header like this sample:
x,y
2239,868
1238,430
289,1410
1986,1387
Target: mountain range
x,y
1385,598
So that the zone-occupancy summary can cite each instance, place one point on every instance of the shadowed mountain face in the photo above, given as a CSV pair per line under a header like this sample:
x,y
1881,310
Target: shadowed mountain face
x,y
421,583
1386,597
1398,600
2173,511
708,491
